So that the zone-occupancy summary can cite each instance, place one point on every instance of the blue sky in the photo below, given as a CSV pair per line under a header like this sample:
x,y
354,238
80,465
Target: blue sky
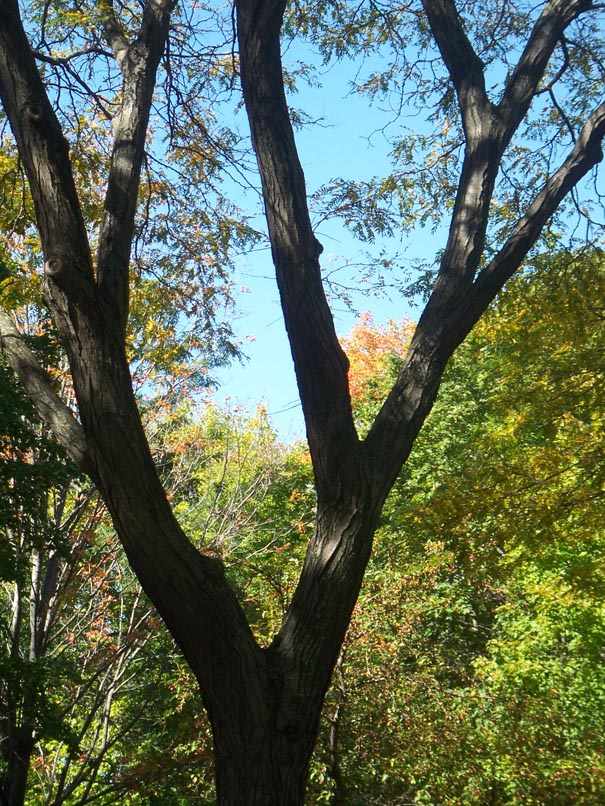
x,y
348,143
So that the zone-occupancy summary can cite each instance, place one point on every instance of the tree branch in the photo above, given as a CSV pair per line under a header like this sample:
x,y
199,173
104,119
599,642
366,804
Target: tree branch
x,y
444,324
65,63
482,152
586,153
524,82
320,364
47,403
189,589
316,620
139,63
113,31
45,155
464,66
488,129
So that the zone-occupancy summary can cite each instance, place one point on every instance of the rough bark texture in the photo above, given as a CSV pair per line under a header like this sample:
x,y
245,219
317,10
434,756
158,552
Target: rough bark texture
x,y
264,705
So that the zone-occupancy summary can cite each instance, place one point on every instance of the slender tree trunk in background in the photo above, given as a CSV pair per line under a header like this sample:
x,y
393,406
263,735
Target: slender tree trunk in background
x,y
16,726
20,744
21,757
334,757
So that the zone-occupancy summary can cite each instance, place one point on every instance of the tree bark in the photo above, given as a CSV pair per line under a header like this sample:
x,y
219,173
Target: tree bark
x,y
271,773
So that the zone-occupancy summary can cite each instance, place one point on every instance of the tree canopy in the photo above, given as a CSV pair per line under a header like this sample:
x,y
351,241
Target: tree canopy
x,y
478,618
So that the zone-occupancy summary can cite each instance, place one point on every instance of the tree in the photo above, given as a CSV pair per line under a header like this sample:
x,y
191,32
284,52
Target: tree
x,y
75,626
100,698
264,702
477,677
32,545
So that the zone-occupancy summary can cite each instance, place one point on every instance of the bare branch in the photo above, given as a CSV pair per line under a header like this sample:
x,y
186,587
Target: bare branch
x,y
49,406
70,57
562,115
64,62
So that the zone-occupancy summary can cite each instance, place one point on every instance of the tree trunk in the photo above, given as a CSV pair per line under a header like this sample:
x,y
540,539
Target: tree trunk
x,y
18,756
272,774
262,758
262,753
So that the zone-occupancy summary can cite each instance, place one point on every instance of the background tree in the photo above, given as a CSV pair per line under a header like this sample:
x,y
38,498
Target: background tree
x,y
75,626
264,702
479,619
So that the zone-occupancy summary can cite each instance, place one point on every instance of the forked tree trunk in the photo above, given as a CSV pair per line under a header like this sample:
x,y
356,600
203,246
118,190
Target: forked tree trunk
x,y
263,751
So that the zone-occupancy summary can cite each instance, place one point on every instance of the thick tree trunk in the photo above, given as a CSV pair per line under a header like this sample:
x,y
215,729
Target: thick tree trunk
x,y
265,762
271,774
263,750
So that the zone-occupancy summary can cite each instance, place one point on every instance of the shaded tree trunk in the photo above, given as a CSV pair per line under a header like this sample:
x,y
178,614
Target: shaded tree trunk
x,y
17,745
17,704
272,773
14,784
262,755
